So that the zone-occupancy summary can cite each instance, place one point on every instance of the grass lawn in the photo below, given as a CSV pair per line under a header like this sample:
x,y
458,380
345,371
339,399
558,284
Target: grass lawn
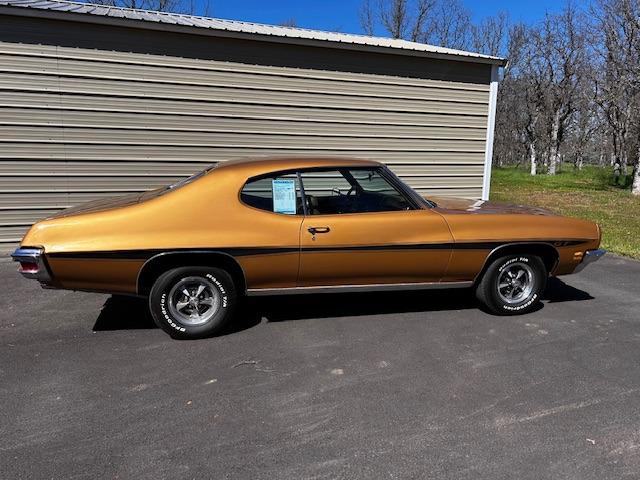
x,y
589,194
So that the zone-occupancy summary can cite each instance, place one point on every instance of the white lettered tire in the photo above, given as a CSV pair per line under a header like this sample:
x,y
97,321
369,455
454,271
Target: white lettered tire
x,y
513,284
192,302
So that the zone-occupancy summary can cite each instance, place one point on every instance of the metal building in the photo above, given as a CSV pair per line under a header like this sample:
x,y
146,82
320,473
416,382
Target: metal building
x,y
99,101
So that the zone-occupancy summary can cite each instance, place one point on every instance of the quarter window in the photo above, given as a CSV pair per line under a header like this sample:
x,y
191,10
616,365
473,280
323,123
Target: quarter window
x,y
278,194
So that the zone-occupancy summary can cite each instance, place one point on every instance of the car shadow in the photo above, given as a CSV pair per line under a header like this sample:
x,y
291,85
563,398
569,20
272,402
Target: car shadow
x,y
124,313
558,291
297,307
130,313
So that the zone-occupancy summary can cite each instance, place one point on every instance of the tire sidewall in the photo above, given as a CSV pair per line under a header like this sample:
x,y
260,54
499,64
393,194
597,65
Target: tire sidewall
x,y
159,298
539,283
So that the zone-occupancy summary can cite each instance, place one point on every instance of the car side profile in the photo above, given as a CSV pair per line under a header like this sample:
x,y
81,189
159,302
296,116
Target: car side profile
x,y
299,225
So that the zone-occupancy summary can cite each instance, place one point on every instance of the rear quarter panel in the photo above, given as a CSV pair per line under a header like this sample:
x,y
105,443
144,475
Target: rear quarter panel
x,y
104,251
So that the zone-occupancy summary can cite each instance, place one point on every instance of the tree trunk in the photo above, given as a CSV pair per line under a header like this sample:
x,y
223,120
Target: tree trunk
x,y
635,186
553,160
532,158
554,156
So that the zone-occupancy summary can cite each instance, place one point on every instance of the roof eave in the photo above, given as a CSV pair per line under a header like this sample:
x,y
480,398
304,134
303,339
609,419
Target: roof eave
x,y
158,26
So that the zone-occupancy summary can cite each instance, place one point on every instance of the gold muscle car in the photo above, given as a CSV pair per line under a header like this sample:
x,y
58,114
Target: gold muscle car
x,y
299,225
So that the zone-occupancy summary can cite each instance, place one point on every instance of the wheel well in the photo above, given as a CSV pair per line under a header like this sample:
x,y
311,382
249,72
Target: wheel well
x,y
545,251
162,262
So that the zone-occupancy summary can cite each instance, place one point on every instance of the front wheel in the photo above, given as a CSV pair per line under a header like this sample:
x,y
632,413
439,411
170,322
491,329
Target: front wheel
x,y
192,302
513,284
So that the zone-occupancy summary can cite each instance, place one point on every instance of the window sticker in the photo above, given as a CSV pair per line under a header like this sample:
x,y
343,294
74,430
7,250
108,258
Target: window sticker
x,y
284,196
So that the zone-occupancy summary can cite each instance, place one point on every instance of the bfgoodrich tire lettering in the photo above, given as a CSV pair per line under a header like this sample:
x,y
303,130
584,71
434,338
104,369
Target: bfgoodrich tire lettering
x,y
513,284
192,302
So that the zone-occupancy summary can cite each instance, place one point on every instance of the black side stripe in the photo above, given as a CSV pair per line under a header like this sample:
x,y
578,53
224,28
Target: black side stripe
x,y
146,254
245,251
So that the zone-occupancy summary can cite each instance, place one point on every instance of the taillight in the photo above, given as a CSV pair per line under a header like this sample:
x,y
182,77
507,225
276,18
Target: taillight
x,y
28,267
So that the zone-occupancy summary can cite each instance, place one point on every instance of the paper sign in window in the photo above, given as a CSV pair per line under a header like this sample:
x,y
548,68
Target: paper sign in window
x,y
284,196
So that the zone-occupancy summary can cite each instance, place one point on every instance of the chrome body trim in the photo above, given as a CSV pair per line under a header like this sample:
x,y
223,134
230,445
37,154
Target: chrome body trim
x,y
357,288
589,256
33,255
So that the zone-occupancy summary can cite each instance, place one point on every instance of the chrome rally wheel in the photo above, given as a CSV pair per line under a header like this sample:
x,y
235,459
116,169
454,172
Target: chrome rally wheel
x,y
192,302
515,283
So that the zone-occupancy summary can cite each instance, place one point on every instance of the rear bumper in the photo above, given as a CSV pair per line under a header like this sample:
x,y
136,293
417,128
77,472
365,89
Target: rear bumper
x,y
590,256
32,264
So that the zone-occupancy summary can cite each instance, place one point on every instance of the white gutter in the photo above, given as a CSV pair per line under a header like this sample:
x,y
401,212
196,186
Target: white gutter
x,y
491,125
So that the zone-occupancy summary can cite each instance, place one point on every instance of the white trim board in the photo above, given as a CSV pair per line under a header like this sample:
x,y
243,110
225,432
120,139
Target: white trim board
x,y
491,124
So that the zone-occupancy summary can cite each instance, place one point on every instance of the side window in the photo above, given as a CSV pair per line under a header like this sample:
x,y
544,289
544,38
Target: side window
x,y
377,194
277,194
351,191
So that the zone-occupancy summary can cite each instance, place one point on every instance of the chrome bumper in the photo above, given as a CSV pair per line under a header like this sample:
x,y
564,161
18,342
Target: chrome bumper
x,y
590,256
32,264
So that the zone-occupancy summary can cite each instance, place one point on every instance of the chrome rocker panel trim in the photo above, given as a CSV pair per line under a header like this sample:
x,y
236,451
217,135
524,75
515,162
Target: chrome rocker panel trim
x,y
590,256
357,288
33,255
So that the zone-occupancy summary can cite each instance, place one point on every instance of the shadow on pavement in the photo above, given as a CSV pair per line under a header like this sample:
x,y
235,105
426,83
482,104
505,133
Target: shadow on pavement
x,y
124,313
129,313
296,307
558,291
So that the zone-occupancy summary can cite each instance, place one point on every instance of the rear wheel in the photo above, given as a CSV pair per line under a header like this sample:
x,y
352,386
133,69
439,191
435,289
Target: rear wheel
x,y
513,284
192,302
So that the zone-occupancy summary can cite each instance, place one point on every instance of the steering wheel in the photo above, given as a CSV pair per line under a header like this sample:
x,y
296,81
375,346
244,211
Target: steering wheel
x,y
337,191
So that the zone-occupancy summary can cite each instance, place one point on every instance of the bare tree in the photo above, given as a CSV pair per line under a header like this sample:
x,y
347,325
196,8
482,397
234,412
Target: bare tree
x,y
616,40
490,35
289,22
583,128
367,18
450,25
561,64
395,17
177,6
423,8
207,8
520,101
531,126
399,18
571,89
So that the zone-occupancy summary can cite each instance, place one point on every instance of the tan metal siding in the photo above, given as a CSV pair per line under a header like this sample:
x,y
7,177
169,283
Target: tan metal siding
x,y
184,108
79,123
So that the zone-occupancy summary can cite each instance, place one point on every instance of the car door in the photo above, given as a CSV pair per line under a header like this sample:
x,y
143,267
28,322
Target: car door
x,y
360,229
270,228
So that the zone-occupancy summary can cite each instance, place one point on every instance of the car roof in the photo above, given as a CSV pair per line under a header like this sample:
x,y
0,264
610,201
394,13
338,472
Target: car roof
x,y
274,164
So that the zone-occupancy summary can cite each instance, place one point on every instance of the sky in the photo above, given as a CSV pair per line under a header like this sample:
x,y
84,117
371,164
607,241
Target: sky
x,y
342,15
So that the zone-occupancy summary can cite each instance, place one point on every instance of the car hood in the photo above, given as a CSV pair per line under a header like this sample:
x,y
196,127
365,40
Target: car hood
x,y
100,205
454,205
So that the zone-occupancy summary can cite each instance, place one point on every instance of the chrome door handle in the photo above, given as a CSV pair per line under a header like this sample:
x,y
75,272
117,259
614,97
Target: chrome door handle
x,y
314,230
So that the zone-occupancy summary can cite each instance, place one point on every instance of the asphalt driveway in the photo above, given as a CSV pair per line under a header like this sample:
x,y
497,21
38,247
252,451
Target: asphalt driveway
x,y
409,385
